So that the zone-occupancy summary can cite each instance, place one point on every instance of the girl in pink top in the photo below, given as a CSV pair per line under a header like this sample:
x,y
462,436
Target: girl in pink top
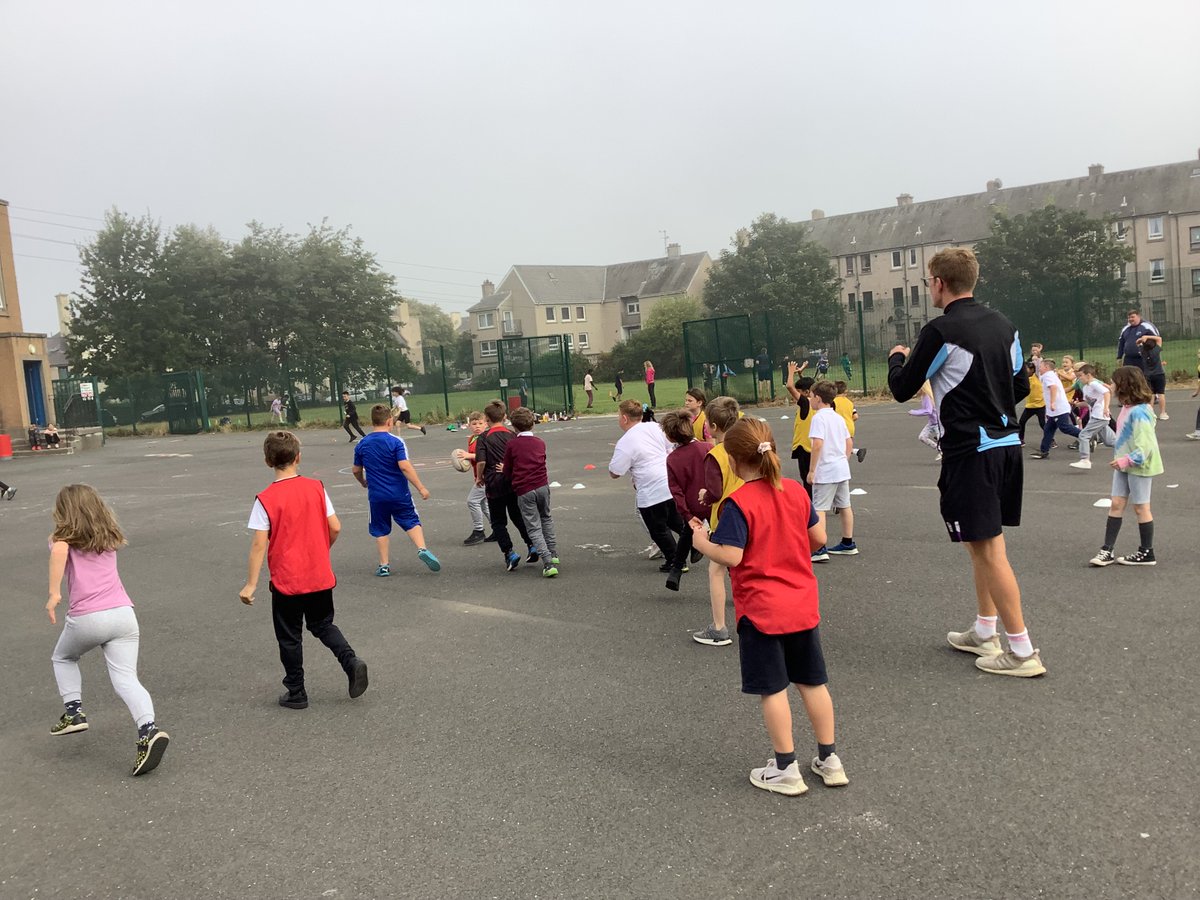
x,y
100,614
649,366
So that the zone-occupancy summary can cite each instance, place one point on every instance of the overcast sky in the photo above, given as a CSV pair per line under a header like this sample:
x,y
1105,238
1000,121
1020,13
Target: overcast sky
x,y
458,139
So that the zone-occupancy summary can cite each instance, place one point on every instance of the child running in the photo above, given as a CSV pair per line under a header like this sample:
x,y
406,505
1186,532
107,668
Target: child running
x,y
766,534
525,467
932,432
798,389
1035,403
100,614
381,465
1058,408
502,502
400,413
694,401
685,477
1096,395
829,469
1136,460
351,417
6,491
720,481
294,526
477,496
642,454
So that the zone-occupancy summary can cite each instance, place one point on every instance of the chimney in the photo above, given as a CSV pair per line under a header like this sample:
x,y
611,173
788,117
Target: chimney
x,y
904,200
818,214
672,251
1095,169
488,288
994,184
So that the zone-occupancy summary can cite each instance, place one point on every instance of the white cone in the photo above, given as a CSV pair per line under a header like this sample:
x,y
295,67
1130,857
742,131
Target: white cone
x,y
1103,503
578,487
857,491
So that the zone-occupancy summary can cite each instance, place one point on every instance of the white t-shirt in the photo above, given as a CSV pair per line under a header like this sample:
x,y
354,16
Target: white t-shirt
x,y
1056,405
1094,393
832,466
399,404
260,522
642,452
588,384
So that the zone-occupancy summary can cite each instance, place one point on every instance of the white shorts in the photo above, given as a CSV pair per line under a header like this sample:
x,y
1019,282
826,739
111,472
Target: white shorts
x,y
831,496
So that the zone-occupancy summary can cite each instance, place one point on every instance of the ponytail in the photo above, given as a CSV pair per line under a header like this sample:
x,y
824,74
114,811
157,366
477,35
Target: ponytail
x,y
749,441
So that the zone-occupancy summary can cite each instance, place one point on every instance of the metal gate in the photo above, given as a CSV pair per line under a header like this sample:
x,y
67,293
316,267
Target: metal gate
x,y
536,371
719,355
185,407
76,402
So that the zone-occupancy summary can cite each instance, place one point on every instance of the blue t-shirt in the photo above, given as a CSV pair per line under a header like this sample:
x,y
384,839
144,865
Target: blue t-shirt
x,y
731,528
378,453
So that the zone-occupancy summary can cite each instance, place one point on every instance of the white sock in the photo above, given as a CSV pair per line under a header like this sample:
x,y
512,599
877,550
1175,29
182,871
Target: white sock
x,y
1020,644
985,626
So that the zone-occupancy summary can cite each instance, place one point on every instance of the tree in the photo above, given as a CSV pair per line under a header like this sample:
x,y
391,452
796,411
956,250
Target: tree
x,y
660,338
436,326
464,353
1056,274
775,271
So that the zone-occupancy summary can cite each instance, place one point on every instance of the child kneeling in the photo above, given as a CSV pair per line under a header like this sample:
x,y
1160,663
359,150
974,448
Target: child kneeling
x,y
761,538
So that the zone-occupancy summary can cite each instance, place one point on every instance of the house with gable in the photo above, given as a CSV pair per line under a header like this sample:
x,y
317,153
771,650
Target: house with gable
x,y
587,308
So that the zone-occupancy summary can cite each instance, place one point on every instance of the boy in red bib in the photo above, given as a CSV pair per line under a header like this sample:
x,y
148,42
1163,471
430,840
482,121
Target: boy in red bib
x,y
294,526
765,537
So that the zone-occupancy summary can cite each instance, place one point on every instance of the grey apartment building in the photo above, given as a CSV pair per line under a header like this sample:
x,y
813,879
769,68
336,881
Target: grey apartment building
x,y
882,253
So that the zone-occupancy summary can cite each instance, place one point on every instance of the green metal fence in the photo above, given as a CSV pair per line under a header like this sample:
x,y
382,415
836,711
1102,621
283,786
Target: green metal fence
x,y
535,372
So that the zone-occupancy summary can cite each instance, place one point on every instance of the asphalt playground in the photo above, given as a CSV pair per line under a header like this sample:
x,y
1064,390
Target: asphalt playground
x,y
533,738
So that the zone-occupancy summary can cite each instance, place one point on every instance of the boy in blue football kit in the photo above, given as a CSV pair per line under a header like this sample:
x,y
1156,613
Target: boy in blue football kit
x,y
381,466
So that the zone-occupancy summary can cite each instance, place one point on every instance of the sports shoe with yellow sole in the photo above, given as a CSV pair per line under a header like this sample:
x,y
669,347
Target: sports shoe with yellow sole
x,y
1008,663
969,641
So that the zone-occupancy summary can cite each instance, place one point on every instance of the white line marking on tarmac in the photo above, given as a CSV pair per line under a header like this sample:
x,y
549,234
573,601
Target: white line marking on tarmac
x,y
510,614
934,487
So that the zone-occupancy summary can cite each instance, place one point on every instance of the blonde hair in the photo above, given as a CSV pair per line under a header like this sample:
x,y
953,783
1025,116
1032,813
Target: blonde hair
x,y
84,521
957,267
749,442
722,413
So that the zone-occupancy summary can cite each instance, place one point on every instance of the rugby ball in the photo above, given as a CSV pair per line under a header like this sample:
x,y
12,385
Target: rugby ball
x,y
459,460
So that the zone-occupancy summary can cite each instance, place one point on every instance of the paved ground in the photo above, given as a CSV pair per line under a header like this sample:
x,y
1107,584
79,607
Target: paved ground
x,y
532,738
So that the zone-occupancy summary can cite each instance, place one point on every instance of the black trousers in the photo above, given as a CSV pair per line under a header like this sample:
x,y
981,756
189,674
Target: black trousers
x,y
650,388
1027,414
290,613
347,422
803,460
661,519
500,510
683,550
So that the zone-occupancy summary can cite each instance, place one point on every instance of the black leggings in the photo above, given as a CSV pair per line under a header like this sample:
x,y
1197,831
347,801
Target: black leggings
x,y
803,460
661,519
1029,413
650,388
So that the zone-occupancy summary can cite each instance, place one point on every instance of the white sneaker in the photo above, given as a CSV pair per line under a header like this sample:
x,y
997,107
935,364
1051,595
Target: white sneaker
x,y
1082,464
1193,435
771,778
938,458
831,771
1163,417
652,552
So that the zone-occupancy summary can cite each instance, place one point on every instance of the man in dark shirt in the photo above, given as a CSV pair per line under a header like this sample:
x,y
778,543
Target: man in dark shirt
x,y
351,417
1149,348
1131,334
972,358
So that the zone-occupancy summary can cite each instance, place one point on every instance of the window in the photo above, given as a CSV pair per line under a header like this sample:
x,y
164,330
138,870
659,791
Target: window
x,y
1194,237
868,300
901,333
1158,272
1123,272
487,348
569,341
1158,309
580,314
898,298
633,308
912,258
564,314
850,298
897,259
1120,229
553,341
549,313
864,263
849,265
914,292
582,340
487,320
1195,282
1154,228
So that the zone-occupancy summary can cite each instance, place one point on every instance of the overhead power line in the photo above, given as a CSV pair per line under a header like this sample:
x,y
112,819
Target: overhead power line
x,y
34,237
73,262
55,224
50,212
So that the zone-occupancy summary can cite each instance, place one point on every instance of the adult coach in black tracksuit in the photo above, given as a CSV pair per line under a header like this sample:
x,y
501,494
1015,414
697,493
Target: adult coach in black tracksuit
x,y
973,361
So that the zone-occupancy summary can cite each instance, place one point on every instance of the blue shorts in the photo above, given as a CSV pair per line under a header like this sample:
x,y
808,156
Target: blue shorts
x,y
384,511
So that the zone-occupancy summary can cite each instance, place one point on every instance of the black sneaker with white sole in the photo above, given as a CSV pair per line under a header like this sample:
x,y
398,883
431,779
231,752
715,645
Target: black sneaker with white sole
x,y
1143,557
1103,558
150,750
69,724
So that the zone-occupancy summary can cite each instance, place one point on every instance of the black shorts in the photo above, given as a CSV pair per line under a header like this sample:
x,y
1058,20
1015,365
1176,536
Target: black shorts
x,y
981,493
1158,383
405,416
770,662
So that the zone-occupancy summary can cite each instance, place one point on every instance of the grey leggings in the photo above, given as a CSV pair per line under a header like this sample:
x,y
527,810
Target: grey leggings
x,y
115,631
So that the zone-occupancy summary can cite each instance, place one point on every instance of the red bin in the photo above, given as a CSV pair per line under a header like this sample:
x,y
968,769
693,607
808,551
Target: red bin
x,y
514,403
5,446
